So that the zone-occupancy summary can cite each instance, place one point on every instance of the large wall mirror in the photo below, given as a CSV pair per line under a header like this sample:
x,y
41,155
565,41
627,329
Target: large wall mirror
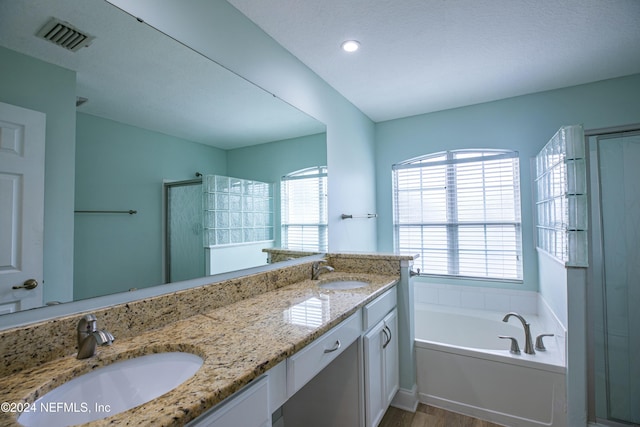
x,y
126,113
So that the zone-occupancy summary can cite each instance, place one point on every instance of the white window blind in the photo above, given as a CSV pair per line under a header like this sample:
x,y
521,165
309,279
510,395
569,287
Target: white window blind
x,y
304,209
460,211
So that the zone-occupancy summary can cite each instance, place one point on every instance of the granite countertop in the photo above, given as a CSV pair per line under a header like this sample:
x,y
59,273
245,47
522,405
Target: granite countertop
x,y
238,343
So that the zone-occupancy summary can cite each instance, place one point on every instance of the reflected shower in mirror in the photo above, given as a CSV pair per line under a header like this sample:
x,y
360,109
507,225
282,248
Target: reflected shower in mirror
x,y
122,120
184,247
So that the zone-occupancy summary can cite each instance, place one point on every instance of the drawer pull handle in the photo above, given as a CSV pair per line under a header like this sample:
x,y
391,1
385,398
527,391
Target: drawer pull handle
x,y
387,333
336,347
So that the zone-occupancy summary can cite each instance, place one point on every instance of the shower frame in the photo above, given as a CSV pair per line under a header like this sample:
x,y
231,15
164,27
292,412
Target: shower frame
x,y
166,252
596,298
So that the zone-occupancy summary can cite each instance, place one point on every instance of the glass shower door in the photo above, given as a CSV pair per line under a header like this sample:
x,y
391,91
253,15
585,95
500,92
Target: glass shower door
x,y
184,250
617,340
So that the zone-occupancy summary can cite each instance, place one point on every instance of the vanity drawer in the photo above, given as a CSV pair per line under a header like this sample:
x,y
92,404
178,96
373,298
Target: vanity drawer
x,y
375,311
305,364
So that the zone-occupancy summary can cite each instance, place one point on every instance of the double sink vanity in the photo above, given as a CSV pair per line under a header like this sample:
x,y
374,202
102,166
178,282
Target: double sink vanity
x,y
244,351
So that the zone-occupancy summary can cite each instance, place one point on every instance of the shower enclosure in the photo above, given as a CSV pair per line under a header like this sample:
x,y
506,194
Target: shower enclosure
x,y
614,288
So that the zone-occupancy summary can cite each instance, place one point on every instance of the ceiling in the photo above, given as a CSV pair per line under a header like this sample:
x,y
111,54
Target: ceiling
x,y
419,56
126,78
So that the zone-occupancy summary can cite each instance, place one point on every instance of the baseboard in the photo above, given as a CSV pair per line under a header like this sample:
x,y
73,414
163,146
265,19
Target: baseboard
x,y
485,414
406,399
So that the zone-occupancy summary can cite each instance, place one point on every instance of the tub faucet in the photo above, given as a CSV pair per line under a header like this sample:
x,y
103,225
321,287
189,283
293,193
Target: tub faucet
x,y
528,344
317,269
89,336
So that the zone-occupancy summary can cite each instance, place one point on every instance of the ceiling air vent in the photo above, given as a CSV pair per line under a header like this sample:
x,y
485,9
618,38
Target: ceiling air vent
x,y
65,35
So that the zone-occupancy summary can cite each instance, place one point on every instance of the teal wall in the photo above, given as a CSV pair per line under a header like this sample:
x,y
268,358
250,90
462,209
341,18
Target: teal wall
x,y
269,162
121,167
37,85
524,123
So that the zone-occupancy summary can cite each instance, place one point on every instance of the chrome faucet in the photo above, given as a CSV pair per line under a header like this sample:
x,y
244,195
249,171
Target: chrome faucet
x,y
317,269
89,336
528,344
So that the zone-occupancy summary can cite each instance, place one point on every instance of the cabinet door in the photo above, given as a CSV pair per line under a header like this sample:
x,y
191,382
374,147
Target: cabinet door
x,y
374,376
390,355
382,372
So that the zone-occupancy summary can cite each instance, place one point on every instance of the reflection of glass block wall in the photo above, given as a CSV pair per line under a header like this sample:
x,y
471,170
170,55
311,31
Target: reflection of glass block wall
x,y
561,201
236,210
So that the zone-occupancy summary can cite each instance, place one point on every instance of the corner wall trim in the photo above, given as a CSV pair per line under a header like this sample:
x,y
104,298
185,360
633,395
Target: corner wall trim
x,y
406,399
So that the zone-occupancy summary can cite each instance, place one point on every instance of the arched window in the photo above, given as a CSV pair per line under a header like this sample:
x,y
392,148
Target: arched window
x,y
304,210
460,211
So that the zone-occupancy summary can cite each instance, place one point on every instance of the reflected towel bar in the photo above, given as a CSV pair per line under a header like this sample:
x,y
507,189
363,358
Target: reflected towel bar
x,y
130,212
367,216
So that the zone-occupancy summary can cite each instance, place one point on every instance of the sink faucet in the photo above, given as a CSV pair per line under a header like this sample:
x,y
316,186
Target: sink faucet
x,y
528,344
89,336
317,269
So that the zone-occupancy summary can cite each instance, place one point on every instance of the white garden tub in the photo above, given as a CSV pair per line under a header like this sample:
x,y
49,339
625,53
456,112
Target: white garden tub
x,y
463,366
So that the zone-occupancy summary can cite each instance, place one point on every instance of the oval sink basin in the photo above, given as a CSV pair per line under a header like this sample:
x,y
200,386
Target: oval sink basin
x,y
344,284
111,389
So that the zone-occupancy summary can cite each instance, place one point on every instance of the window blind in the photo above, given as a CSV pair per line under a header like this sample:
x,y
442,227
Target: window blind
x,y
460,211
304,210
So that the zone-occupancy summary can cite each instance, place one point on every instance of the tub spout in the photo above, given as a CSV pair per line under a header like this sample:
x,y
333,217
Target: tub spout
x,y
528,343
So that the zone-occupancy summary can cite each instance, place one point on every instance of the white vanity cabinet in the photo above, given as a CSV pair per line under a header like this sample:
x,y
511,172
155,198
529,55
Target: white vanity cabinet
x,y
381,369
247,408
345,377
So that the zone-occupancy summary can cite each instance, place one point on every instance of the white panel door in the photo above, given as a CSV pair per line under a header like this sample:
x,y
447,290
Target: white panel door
x,y
22,137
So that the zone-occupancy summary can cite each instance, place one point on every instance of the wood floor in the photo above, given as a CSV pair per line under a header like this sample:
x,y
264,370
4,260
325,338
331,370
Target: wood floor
x,y
429,416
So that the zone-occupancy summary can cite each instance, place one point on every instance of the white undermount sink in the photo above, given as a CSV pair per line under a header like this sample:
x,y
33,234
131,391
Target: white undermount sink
x,y
111,389
344,284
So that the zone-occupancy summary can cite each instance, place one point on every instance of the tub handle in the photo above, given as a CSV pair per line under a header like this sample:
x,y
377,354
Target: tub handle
x,y
539,344
515,348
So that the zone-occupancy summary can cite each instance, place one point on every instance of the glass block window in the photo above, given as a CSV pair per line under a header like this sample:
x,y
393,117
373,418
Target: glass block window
x,y
460,211
303,211
561,197
236,210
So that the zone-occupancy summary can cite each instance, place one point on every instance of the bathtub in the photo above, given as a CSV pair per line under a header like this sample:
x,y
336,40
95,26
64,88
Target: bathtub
x,y
464,367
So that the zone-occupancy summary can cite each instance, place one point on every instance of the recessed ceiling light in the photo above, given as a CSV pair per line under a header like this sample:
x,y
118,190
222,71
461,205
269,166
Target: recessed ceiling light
x,y
350,45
